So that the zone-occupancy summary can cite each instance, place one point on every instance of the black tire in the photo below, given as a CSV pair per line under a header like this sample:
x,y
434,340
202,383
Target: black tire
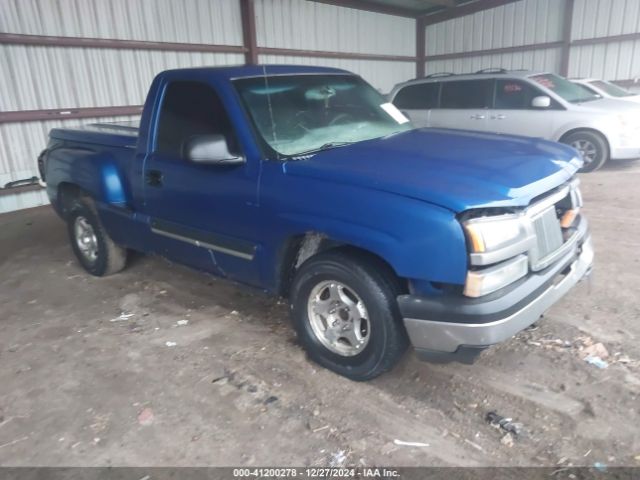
x,y
377,287
591,140
109,257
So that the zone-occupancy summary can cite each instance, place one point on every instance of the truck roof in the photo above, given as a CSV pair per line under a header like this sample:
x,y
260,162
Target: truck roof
x,y
240,71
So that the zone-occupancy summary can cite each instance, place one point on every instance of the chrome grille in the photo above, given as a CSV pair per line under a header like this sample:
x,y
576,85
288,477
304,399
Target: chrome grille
x,y
548,233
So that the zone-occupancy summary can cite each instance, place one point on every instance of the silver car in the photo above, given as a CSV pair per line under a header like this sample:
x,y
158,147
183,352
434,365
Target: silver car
x,y
607,89
535,104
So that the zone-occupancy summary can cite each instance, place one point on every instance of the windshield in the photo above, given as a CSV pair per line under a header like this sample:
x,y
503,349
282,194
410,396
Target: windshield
x,y
611,89
587,89
561,86
298,114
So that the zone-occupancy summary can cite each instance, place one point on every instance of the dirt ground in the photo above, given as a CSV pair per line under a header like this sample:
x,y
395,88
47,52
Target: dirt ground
x,y
160,365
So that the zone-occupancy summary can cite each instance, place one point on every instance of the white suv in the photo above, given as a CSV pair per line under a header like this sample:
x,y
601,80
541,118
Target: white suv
x,y
535,104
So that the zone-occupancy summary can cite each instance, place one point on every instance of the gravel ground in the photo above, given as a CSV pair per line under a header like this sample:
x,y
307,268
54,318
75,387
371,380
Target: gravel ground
x,y
200,371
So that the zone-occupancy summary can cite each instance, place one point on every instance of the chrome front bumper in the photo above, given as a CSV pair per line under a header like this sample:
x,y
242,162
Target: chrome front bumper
x,y
484,329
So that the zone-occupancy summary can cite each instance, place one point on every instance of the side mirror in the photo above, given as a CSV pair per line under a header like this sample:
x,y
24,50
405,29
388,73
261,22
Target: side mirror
x,y
210,148
541,102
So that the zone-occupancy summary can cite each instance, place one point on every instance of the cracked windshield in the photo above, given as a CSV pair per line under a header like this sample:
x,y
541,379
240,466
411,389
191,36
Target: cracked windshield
x,y
299,114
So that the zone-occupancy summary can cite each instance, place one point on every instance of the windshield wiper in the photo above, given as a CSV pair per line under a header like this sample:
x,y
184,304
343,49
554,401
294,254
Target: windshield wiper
x,y
326,146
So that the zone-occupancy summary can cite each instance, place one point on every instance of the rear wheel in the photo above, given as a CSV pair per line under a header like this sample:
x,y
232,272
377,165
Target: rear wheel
x,y
96,251
592,147
345,312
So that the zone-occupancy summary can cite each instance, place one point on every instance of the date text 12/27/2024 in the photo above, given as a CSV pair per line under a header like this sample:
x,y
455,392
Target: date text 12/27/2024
x,y
316,472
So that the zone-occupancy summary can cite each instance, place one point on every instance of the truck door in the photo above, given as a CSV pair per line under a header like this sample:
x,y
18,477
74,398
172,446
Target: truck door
x,y
203,215
514,114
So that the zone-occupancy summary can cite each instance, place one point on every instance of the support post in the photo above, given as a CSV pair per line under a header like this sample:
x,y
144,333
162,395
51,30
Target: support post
x,y
420,47
566,37
247,11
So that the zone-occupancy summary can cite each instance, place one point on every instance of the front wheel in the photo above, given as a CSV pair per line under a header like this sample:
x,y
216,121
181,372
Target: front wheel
x,y
96,251
345,312
592,147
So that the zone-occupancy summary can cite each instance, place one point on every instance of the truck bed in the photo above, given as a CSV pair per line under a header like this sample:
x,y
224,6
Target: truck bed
x,y
116,134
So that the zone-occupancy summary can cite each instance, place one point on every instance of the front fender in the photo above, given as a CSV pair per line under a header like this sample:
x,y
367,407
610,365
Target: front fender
x,y
419,240
434,251
600,126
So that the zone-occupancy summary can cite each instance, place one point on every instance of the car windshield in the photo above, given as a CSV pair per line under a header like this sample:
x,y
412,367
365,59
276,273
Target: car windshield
x,y
587,89
611,89
561,86
300,114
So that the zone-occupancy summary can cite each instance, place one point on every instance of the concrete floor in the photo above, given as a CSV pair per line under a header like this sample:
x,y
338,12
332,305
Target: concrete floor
x,y
82,385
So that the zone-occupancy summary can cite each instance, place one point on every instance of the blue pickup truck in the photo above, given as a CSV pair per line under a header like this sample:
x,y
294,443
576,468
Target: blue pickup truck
x,y
306,183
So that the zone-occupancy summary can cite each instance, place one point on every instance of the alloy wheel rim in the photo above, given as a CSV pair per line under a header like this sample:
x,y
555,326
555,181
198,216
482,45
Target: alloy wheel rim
x,y
339,318
86,239
587,150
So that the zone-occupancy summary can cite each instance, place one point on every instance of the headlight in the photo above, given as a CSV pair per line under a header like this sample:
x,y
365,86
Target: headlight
x,y
493,239
488,280
487,233
499,245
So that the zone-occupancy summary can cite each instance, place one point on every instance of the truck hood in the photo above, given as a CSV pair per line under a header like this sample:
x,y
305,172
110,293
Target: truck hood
x,y
455,169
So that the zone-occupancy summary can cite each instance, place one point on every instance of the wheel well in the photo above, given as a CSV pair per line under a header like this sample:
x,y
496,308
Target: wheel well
x,y
589,130
300,248
68,193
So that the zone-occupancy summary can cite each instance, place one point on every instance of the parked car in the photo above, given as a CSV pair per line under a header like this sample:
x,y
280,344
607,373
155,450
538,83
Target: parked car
x,y
607,89
534,104
306,183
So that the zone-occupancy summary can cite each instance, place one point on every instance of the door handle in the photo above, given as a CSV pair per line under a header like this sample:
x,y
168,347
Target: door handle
x,y
478,117
154,178
498,117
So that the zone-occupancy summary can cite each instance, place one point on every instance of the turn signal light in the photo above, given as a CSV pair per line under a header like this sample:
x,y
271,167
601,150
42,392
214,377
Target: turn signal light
x,y
477,243
569,217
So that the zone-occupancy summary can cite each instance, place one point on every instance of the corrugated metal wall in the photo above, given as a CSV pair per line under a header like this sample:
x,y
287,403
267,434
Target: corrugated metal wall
x,y
295,24
39,77
59,77
604,18
516,24
532,22
316,26
188,21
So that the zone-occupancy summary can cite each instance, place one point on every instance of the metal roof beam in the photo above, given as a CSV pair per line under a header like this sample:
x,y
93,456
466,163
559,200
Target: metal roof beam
x,y
463,10
444,3
372,7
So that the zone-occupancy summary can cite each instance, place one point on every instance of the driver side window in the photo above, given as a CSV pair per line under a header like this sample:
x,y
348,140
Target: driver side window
x,y
189,109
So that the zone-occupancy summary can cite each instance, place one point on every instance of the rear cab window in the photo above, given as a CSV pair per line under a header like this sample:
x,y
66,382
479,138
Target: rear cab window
x,y
466,94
